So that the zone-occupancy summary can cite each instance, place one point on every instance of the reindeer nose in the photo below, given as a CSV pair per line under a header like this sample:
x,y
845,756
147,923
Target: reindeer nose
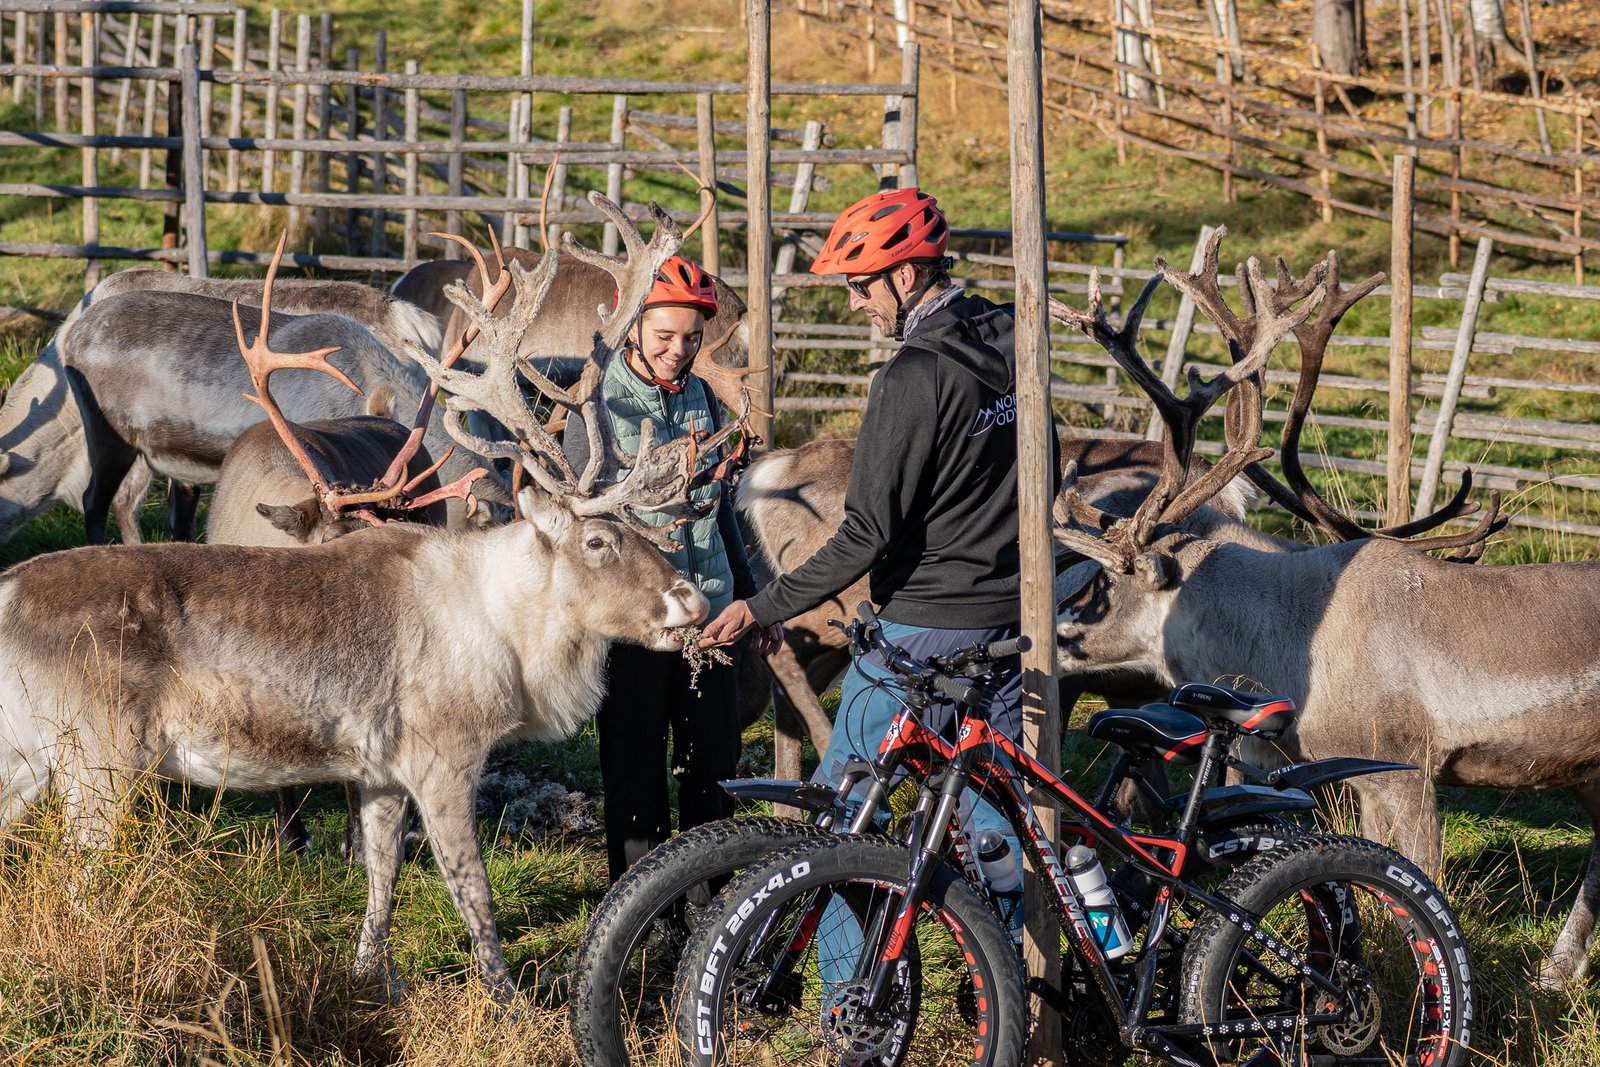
x,y
686,605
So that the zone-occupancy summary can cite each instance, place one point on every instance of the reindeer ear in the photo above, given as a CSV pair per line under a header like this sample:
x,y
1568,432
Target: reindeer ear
x,y
1156,569
547,514
296,520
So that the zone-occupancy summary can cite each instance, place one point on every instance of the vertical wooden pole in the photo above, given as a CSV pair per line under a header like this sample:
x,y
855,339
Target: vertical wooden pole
x,y
1535,86
705,121
455,173
172,210
1119,81
19,51
514,134
1425,55
39,37
1324,176
241,45
130,58
269,157
950,49
413,105
59,85
379,245
148,125
1400,276
208,52
1408,69
524,183
1465,334
352,158
324,115
90,27
758,165
1450,56
872,38
558,184
1577,196
1035,429
910,67
619,131
297,158
194,178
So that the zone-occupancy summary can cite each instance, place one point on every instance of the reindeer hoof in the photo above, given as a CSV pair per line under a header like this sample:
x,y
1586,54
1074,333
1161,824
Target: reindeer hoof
x,y
1558,973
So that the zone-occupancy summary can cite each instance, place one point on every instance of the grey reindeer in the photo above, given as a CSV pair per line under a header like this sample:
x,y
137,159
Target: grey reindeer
x,y
46,457
1483,676
395,657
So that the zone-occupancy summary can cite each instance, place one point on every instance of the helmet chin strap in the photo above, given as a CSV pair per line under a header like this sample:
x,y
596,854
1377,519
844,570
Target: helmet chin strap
x,y
902,308
674,386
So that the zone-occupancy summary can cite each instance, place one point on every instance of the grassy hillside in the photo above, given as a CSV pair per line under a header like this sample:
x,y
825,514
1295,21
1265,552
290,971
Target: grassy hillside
x,y
194,941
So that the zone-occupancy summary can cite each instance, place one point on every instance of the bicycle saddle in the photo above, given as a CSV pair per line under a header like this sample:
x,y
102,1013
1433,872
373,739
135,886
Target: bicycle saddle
x,y
1155,731
1261,714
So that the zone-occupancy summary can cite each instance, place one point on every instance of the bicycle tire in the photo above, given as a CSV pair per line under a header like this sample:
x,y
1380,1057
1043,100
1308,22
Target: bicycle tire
x,y
975,973
1407,939
604,1021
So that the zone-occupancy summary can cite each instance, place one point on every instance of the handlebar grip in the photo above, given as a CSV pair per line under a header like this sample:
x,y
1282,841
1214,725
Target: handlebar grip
x,y
958,690
1002,649
867,615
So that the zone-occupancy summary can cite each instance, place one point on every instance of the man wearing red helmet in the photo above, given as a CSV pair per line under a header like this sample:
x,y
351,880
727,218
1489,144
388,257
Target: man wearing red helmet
x,y
647,692
931,510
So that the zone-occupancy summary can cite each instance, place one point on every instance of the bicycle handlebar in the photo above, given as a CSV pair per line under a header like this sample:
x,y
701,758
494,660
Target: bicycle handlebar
x,y
937,672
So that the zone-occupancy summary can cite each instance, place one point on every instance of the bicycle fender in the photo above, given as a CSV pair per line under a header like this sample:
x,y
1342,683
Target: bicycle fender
x,y
1230,803
808,796
1305,776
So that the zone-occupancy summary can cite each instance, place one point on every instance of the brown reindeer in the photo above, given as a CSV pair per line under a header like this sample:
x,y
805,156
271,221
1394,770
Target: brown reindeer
x,y
1386,650
395,657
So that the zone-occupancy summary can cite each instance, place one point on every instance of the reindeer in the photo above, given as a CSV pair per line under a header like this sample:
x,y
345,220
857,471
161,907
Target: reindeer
x,y
1385,650
47,435
395,657
423,286
156,377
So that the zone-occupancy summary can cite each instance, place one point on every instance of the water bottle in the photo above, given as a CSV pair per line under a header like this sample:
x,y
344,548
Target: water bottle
x,y
1089,878
999,869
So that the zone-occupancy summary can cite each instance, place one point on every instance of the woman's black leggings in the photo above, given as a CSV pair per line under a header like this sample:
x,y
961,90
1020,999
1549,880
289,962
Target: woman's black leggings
x,y
646,693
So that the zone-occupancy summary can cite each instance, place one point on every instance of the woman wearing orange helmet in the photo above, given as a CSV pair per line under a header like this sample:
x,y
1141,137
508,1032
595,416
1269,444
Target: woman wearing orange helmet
x,y
648,693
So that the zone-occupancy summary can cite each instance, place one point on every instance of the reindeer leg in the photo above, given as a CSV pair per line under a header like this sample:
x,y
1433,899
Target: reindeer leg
x,y
110,458
288,826
446,803
128,504
794,683
1404,814
183,500
381,813
1569,959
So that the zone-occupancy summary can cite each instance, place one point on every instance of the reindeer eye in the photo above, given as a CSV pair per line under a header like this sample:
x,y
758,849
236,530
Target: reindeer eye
x,y
596,543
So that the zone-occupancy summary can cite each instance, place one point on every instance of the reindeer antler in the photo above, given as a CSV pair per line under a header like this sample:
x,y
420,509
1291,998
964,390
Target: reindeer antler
x,y
1252,338
1300,496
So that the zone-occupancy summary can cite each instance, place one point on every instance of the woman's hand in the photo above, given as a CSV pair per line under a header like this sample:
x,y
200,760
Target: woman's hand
x,y
767,641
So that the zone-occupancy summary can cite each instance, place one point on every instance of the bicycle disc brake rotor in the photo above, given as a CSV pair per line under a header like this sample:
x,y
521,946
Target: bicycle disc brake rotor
x,y
1363,1022
852,1029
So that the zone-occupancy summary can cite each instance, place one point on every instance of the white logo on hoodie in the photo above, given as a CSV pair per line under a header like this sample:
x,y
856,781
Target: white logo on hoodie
x,y
1003,412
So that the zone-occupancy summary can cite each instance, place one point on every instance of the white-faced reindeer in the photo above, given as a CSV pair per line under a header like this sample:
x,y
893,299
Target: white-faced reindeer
x,y
1386,650
396,657
41,432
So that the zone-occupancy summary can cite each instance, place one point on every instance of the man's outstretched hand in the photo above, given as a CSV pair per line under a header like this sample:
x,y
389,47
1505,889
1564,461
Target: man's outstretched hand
x,y
734,622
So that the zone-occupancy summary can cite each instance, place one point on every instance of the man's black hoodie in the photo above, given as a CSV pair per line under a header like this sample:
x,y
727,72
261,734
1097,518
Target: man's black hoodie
x,y
931,509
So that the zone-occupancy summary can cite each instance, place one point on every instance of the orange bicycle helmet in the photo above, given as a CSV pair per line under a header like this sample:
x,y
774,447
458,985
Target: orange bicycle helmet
x,y
683,283
884,230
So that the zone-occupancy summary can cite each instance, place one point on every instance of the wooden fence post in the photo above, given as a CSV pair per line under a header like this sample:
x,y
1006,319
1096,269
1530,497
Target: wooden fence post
x,y
1400,280
171,221
269,161
208,52
19,55
758,248
524,132
89,25
130,58
455,170
1035,428
297,158
910,68
194,176
1324,175
705,121
1534,85
1577,196
413,105
379,245
352,158
558,184
148,126
241,45
324,115
1182,327
60,86
799,199
1452,385
619,132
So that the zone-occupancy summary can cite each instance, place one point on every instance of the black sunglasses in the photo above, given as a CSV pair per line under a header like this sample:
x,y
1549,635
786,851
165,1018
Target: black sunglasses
x,y
862,289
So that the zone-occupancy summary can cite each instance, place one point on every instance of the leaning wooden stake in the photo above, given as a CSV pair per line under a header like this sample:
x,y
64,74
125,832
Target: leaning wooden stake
x,y
90,27
1041,711
1458,372
1400,276
758,165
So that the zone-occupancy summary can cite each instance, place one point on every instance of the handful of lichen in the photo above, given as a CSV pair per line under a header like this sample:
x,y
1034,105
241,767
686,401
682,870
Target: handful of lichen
x,y
698,657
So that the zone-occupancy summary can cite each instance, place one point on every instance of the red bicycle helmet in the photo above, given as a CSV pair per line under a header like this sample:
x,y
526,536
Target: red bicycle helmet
x,y
883,230
683,283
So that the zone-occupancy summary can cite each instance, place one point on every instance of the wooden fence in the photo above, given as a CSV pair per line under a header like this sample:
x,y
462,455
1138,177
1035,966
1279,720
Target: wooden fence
x,y
1256,111
374,158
